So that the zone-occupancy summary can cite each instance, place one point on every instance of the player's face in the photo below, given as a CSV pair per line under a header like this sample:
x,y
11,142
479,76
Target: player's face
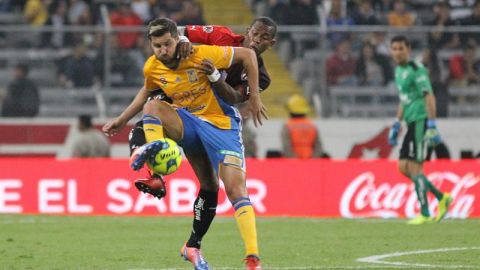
x,y
259,38
400,52
164,47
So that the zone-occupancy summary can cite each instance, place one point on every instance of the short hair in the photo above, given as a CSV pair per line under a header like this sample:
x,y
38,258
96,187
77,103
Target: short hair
x,y
160,26
268,22
85,120
401,38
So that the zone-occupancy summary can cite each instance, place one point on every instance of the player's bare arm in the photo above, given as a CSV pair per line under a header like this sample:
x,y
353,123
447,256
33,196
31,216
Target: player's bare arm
x,y
400,112
431,105
248,59
223,89
115,125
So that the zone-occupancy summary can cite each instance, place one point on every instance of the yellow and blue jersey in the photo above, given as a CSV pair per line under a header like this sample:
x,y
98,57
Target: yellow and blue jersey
x,y
190,89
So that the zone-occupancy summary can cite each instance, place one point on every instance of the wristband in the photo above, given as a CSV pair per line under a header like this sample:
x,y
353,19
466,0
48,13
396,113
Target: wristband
x,y
431,123
183,39
215,76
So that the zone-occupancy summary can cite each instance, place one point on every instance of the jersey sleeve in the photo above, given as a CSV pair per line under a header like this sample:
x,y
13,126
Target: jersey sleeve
x,y
210,35
220,56
422,80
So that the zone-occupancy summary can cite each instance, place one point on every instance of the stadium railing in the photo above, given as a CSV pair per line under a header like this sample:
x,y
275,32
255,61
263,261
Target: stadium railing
x,y
304,49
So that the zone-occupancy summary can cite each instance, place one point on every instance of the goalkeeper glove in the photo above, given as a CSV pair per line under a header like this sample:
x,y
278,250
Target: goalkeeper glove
x,y
431,135
393,133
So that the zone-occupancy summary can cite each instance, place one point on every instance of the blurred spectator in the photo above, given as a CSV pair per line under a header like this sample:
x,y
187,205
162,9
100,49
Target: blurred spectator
x,y
341,65
400,17
58,19
365,15
35,12
192,14
124,68
381,43
461,8
141,8
464,69
77,69
167,8
300,12
124,16
472,39
337,17
300,137
91,142
440,88
372,68
439,39
248,134
22,98
275,10
77,10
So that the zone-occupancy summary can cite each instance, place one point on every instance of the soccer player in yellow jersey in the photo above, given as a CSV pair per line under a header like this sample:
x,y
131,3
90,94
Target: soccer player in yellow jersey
x,y
207,128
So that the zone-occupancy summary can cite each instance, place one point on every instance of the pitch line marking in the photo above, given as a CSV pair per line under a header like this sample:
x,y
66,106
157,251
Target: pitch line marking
x,y
378,259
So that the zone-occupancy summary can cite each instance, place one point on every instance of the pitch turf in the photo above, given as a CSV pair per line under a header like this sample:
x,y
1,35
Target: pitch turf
x,y
53,242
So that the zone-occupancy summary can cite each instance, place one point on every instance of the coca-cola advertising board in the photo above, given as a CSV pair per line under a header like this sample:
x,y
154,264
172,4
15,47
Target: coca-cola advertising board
x,y
277,187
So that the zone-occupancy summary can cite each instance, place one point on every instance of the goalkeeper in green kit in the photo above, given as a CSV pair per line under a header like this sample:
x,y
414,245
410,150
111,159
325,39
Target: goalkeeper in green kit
x,y
417,107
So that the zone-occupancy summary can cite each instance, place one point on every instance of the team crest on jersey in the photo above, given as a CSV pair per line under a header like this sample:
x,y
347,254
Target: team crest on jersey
x,y
192,75
208,29
178,79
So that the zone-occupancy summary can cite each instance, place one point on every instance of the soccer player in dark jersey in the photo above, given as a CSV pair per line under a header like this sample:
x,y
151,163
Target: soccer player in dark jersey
x,y
418,109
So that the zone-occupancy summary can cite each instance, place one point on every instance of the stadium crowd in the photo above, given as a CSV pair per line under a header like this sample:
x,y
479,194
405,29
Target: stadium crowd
x,y
354,58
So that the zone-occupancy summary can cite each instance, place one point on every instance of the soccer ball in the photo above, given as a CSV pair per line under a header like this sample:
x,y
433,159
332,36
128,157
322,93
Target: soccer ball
x,y
167,160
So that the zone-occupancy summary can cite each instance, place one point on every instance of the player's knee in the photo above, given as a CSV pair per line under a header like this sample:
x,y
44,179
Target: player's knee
x,y
155,106
236,192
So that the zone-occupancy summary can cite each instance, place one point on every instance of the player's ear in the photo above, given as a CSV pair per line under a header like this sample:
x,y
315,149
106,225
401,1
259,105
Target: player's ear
x,y
273,42
248,30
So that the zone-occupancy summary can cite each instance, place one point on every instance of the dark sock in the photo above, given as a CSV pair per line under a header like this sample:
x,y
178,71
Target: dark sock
x,y
437,193
136,138
204,211
421,189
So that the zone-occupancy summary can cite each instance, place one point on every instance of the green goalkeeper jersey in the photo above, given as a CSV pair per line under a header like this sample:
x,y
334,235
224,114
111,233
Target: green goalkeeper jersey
x,y
413,83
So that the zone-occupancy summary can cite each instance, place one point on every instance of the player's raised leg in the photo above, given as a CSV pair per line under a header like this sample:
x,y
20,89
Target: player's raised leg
x,y
159,120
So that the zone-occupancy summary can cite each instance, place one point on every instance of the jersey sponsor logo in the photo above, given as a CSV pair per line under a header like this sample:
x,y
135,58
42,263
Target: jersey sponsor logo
x,y
189,95
207,29
192,75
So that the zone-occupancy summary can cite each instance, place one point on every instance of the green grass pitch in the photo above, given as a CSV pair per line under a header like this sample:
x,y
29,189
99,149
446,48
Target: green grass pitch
x,y
65,242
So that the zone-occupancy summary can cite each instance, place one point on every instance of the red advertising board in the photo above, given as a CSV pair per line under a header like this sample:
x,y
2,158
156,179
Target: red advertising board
x,y
277,187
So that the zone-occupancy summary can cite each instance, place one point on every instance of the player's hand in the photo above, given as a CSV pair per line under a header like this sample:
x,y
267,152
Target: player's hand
x,y
114,126
257,109
432,136
207,67
393,133
184,49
